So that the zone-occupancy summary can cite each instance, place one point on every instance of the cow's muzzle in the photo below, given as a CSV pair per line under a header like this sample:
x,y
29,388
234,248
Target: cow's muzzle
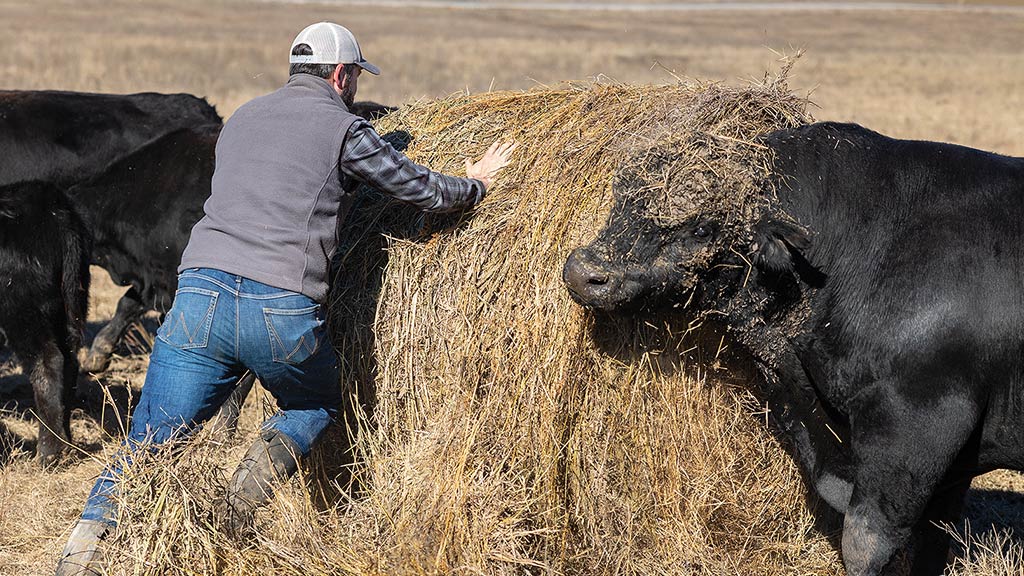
x,y
592,282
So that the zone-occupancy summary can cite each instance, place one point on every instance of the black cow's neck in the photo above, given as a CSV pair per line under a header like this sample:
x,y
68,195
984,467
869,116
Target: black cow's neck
x,y
838,182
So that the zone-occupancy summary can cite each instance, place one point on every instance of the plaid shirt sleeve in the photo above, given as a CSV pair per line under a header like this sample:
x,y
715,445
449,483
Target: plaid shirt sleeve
x,y
368,158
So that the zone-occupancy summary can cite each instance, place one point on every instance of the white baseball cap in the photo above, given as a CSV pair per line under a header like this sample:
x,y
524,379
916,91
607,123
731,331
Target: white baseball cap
x,y
331,44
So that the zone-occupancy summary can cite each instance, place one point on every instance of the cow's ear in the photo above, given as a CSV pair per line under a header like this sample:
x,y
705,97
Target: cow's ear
x,y
776,243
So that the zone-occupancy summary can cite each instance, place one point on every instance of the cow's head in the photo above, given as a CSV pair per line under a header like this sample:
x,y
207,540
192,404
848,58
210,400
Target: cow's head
x,y
678,234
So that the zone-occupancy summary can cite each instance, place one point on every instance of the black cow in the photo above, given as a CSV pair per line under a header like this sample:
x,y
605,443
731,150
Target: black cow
x,y
880,288
67,137
44,286
371,110
141,211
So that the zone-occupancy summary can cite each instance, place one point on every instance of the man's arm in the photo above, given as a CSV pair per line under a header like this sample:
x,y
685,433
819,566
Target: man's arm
x,y
367,157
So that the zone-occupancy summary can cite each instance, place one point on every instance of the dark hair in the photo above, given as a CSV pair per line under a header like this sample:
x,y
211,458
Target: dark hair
x,y
318,70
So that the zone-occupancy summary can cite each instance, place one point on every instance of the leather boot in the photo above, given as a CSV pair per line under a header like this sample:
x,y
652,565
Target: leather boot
x,y
270,461
82,555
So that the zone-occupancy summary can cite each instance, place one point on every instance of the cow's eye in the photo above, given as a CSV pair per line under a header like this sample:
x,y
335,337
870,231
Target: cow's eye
x,y
702,232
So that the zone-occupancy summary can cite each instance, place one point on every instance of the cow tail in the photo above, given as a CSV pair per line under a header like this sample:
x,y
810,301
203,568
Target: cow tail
x,y
75,279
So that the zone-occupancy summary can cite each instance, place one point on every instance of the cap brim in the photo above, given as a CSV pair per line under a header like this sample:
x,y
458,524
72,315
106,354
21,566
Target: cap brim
x,y
369,67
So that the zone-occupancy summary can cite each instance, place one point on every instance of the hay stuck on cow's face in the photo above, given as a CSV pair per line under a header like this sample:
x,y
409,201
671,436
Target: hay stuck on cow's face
x,y
646,255
688,214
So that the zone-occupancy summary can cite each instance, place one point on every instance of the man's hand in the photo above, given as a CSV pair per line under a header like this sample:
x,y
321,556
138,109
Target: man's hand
x,y
492,162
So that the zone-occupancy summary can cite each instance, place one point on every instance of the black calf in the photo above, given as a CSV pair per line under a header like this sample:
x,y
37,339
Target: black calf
x,y
44,286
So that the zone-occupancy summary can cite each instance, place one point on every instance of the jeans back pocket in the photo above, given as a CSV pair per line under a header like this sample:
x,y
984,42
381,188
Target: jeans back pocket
x,y
188,323
295,335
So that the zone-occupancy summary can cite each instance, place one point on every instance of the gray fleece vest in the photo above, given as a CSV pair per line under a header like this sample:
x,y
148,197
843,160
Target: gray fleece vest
x,y
276,192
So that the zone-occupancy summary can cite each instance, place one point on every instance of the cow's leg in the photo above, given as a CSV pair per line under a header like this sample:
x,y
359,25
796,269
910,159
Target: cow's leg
x,y
47,369
904,448
931,541
797,410
129,309
826,468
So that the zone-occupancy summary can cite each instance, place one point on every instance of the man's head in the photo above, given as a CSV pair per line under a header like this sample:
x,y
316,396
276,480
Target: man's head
x,y
330,51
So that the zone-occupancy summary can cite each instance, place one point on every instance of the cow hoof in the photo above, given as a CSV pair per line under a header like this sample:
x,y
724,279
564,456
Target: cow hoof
x,y
51,450
96,362
50,459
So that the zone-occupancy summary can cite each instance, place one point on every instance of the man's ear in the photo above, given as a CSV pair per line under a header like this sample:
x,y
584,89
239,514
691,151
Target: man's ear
x,y
777,242
338,76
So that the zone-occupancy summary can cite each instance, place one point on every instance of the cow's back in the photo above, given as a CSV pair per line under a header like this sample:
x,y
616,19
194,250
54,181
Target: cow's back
x,y
913,220
64,137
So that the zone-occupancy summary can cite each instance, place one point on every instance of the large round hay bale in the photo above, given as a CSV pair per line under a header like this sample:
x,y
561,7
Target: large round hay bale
x,y
504,427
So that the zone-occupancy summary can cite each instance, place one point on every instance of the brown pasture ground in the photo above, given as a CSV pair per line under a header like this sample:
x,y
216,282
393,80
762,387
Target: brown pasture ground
x,y
952,77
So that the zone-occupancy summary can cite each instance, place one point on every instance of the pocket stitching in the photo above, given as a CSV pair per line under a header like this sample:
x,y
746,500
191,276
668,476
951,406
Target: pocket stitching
x,y
207,320
275,337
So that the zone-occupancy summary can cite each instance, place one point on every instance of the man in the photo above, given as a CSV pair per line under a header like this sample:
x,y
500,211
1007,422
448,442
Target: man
x,y
254,275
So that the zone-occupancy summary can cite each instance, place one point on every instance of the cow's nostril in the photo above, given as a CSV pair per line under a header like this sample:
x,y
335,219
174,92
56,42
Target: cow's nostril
x,y
587,277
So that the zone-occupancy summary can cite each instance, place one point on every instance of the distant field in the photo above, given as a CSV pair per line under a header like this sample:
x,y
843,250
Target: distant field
x,y
938,76
663,3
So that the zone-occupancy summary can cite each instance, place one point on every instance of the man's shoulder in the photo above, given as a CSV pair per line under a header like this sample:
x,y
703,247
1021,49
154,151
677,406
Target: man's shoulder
x,y
287,103
361,135
256,106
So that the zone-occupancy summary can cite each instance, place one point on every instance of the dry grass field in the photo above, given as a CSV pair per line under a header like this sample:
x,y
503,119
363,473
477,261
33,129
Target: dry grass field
x,y
952,77
938,76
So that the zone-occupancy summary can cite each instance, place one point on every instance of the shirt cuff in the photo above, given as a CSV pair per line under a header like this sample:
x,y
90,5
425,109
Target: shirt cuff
x,y
481,190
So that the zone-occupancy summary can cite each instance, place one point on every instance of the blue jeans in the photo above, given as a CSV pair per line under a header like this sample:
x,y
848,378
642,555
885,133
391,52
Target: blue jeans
x,y
220,325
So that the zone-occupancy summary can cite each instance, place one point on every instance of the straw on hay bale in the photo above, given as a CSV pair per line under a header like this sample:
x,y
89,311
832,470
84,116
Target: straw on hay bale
x,y
499,429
